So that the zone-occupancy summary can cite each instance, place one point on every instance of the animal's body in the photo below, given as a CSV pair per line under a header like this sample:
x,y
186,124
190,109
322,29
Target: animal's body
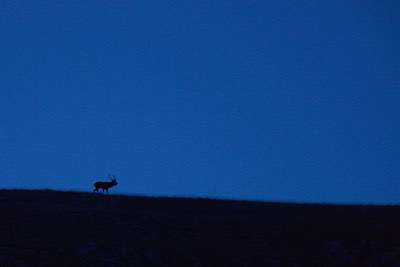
x,y
104,185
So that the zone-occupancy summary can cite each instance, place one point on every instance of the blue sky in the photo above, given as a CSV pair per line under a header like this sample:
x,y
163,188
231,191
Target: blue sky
x,y
272,100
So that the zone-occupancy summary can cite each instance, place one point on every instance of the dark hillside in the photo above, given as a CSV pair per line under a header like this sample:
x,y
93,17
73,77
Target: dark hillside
x,y
50,228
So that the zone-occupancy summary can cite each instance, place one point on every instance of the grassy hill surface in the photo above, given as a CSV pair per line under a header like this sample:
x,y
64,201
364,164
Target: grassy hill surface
x,y
51,228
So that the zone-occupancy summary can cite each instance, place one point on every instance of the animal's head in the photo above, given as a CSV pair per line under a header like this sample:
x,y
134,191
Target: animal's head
x,y
113,180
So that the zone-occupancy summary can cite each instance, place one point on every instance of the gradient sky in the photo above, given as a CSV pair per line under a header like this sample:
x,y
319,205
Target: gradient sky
x,y
273,100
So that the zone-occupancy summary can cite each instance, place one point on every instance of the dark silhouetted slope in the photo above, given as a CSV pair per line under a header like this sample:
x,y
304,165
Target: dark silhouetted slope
x,y
50,228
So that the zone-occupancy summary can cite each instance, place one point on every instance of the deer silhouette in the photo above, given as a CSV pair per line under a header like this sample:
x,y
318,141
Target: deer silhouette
x,y
105,185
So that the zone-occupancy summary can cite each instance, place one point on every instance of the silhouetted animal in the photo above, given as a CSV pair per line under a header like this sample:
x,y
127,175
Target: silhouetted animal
x,y
105,185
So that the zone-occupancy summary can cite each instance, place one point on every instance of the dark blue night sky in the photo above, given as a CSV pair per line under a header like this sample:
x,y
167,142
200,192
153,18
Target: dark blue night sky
x,y
272,100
